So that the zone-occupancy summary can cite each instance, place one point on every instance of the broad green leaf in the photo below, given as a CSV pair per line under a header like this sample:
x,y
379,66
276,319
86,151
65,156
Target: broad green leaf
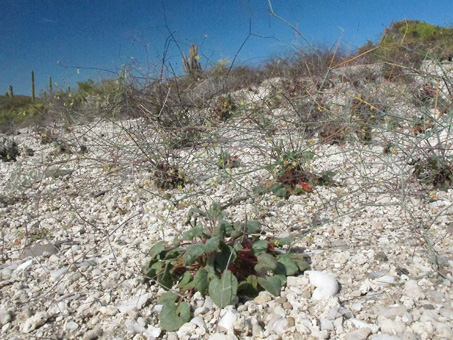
x,y
174,253
272,284
201,281
301,260
165,278
223,290
196,232
247,289
186,281
156,249
224,257
290,266
172,317
211,245
259,246
266,263
167,298
285,241
153,268
223,229
193,252
253,227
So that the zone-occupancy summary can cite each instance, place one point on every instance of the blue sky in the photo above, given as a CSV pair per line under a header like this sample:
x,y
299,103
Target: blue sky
x,y
73,40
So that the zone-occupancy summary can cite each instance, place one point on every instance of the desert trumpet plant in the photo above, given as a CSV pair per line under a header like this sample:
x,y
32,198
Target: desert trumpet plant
x,y
191,64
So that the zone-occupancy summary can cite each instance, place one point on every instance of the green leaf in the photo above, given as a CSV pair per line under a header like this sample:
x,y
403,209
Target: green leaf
x,y
154,267
272,284
253,227
223,229
247,289
186,282
192,253
326,178
165,278
223,290
259,247
157,248
196,232
266,263
174,253
211,245
172,317
302,261
215,211
285,240
279,190
194,212
261,189
195,250
290,266
224,257
201,281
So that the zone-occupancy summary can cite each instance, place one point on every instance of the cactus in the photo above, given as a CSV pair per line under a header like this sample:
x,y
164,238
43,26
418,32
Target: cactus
x,y
191,64
11,93
33,85
50,85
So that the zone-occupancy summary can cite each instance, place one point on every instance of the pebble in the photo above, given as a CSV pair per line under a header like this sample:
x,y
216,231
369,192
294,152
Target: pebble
x,y
34,322
358,334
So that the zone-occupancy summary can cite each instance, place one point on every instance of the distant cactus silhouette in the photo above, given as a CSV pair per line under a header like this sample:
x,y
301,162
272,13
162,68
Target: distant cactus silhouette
x,y
11,93
33,85
191,64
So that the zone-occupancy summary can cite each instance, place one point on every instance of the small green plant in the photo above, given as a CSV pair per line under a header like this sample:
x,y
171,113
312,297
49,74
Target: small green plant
x,y
291,176
224,107
434,171
9,150
220,259
167,176
227,161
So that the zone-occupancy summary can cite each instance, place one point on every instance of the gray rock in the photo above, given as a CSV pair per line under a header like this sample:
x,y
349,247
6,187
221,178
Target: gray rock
x,y
384,337
93,334
5,316
391,326
57,172
381,256
412,290
358,334
39,250
326,324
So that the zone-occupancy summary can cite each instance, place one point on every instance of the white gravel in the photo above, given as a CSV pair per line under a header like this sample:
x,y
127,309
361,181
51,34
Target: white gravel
x,y
73,244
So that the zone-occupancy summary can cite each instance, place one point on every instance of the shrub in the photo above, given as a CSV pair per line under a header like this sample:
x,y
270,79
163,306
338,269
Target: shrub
x,y
9,150
167,176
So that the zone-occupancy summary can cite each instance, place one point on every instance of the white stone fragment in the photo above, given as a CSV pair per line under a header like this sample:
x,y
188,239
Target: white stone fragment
x,y
25,265
326,286
136,302
226,322
362,324
34,322
152,332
